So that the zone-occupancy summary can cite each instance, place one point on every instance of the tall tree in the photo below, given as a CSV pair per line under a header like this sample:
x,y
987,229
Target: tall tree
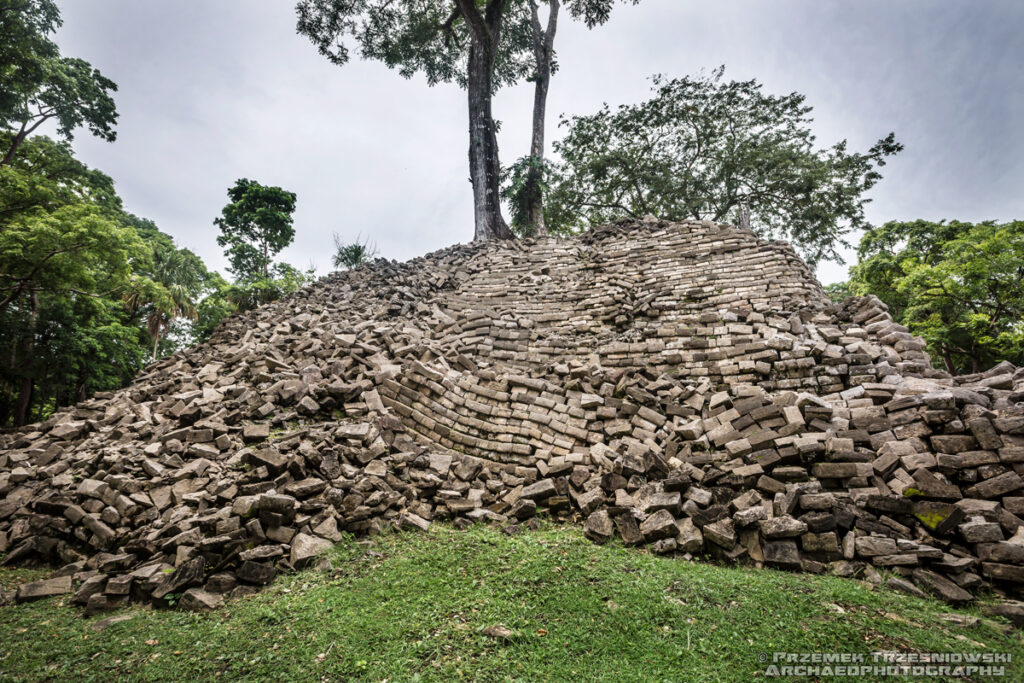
x,y
38,85
705,148
530,176
25,46
45,175
255,226
76,249
480,44
73,252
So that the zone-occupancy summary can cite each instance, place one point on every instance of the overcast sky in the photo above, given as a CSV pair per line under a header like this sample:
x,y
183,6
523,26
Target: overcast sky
x,y
214,90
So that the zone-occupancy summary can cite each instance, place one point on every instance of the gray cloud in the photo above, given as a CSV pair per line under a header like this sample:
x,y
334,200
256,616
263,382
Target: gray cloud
x,y
211,91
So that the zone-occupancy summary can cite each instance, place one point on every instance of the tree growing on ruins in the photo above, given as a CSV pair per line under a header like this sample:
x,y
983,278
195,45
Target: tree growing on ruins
x,y
352,255
255,225
527,180
480,44
706,148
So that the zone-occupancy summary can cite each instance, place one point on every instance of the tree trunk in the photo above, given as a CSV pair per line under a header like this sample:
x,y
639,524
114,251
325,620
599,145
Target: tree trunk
x,y
947,360
156,341
484,165
744,222
543,42
21,408
15,144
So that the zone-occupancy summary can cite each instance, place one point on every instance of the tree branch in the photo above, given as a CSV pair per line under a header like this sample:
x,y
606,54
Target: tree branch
x,y
474,20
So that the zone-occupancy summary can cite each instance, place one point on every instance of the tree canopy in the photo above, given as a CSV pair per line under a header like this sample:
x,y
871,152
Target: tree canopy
x,y
38,84
958,285
707,148
482,45
255,226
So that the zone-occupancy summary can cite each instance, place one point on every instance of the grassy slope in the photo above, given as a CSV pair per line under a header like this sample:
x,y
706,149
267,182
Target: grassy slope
x,y
412,606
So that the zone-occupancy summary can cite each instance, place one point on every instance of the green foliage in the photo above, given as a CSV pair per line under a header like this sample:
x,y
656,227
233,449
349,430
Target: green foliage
x,y
166,288
86,289
25,49
74,249
838,291
45,175
39,85
213,308
415,36
429,36
352,255
958,285
518,191
702,148
255,226
282,280
414,606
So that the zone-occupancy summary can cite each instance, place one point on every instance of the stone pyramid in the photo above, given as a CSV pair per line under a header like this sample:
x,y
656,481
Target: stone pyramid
x,y
687,387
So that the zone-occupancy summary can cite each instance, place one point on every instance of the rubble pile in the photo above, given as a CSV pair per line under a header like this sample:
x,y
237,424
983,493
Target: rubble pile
x,y
684,386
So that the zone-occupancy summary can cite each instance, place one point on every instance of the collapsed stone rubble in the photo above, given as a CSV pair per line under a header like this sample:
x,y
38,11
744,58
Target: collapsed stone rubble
x,y
681,386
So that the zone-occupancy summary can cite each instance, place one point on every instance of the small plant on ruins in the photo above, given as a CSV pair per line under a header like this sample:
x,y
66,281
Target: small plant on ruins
x,y
354,255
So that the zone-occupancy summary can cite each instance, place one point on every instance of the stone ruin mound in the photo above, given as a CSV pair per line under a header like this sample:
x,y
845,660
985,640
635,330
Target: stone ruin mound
x,y
684,386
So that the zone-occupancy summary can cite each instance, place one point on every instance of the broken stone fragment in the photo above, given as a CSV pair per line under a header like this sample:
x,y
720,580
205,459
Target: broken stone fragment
x,y
659,525
254,433
941,586
189,574
523,509
782,554
781,527
199,600
690,538
599,527
306,548
540,490
939,518
256,573
46,588
410,520
721,533
629,530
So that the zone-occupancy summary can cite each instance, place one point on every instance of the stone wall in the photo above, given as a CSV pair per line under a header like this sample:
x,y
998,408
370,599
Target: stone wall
x,y
684,386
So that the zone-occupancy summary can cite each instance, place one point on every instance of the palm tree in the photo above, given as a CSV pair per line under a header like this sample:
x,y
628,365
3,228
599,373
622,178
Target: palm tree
x,y
168,291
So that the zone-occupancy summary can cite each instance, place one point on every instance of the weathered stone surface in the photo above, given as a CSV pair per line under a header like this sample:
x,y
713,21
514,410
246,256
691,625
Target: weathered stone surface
x,y
199,600
939,518
782,554
659,525
306,548
721,533
996,486
941,586
781,527
629,530
687,375
540,490
189,574
599,527
43,589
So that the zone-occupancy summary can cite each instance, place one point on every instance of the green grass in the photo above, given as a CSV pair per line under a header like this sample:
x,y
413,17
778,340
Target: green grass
x,y
413,606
